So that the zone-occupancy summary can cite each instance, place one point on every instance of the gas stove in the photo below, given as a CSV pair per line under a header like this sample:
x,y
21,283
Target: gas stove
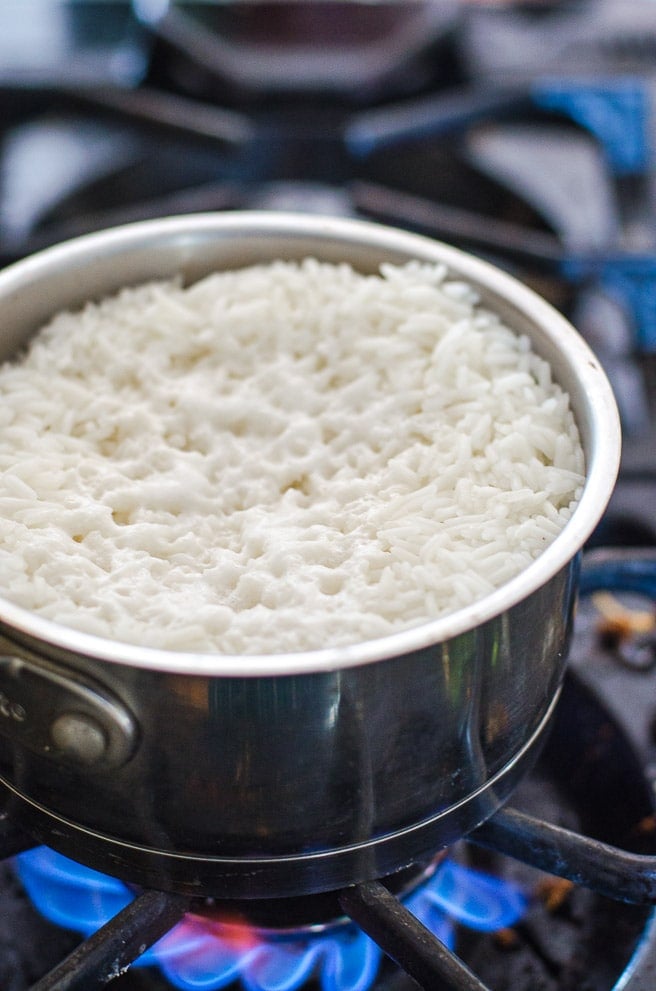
x,y
524,132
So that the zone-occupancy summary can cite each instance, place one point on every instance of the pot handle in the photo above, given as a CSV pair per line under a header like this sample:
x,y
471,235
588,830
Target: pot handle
x,y
619,570
61,715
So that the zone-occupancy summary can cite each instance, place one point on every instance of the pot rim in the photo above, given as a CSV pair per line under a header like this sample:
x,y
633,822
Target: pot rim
x,y
602,447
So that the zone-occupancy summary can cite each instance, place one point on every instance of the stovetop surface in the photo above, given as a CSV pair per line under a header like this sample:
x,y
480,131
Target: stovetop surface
x,y
497,130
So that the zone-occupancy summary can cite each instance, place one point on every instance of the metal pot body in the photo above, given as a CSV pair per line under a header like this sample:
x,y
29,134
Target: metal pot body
x,y
288,774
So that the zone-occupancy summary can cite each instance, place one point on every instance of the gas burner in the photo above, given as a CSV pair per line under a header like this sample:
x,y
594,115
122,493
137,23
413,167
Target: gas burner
x,y
349,47
541,931
496,900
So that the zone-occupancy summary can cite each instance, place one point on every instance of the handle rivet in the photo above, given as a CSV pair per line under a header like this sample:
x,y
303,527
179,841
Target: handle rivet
x,y
77,735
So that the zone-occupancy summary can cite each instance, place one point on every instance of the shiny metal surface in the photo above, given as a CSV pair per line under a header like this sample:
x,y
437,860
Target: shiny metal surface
x,y
323,763
310,871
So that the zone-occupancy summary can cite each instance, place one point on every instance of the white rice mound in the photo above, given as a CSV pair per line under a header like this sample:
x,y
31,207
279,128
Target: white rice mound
x,y
280,458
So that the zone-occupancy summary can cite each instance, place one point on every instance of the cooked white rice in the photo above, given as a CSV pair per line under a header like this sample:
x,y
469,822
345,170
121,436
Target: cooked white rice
x,y
281,458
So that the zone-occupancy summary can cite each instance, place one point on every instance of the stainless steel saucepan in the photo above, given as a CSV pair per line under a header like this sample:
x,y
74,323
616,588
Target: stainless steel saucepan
x,y
261,776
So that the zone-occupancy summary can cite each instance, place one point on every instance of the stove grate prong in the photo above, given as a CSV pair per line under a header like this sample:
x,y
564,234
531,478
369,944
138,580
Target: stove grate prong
x,y
111,950
406,940
608,870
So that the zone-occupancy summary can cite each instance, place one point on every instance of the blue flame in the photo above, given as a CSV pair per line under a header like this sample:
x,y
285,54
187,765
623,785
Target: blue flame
x,y
345,963
476,900
201,955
